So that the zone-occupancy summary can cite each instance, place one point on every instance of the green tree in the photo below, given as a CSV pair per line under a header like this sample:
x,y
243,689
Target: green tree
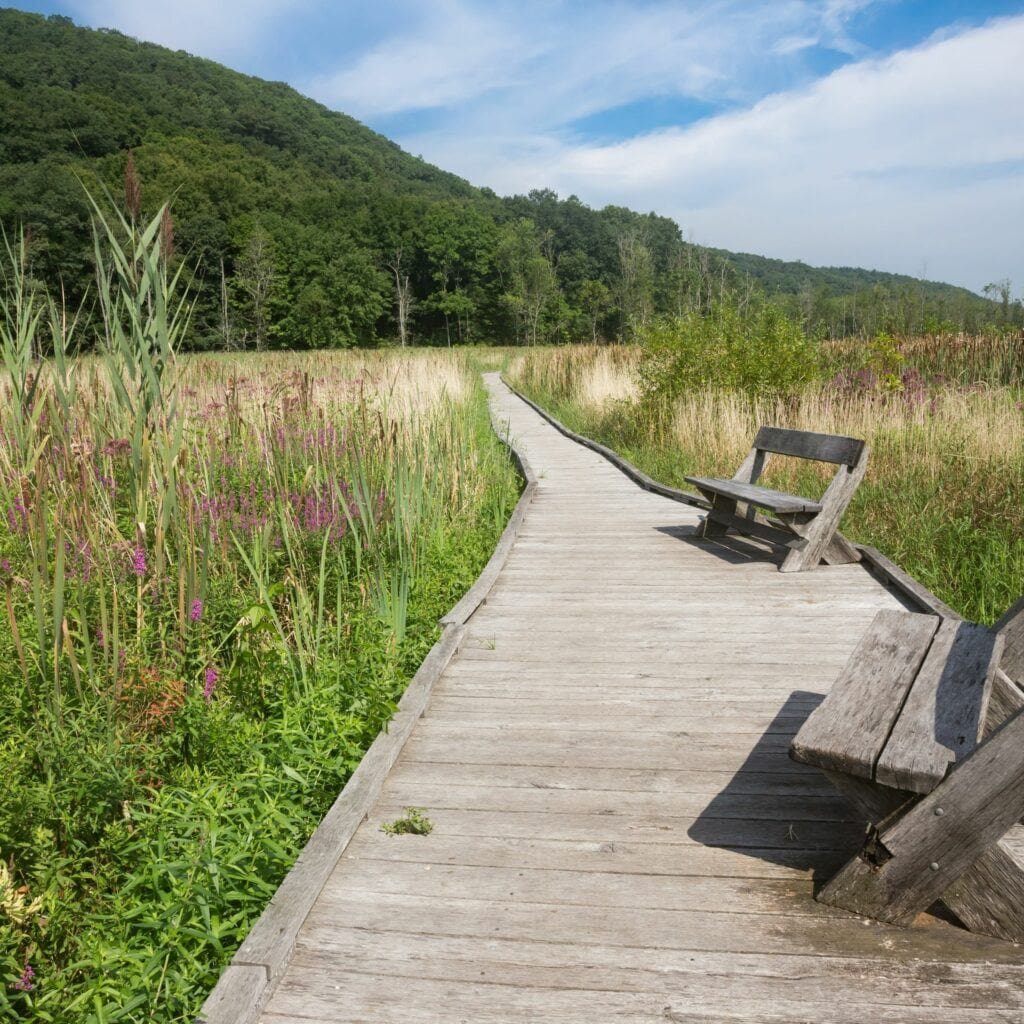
x,y
528,278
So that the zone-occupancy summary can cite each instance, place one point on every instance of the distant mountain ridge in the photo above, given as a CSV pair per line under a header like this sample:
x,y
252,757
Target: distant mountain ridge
x,y
793,276
340,218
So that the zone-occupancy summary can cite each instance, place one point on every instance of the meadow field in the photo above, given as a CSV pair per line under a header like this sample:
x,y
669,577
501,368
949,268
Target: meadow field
x,y
219,573
944,416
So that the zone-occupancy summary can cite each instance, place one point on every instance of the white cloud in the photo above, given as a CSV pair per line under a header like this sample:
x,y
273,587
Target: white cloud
x,y
456,55
885,163
223,30
543,64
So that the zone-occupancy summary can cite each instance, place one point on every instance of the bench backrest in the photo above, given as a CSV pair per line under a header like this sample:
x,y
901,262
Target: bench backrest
x,y
804,444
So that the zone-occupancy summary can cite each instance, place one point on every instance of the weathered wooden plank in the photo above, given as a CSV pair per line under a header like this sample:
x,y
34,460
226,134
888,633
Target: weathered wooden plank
x,y
526,884
942,718
762,714
619,780
764,497
784,980
806,444
700,930
365,997
756,833
598,857
237,998
1006,700
989,896
649,724
660,743
716,757
848,731
610,802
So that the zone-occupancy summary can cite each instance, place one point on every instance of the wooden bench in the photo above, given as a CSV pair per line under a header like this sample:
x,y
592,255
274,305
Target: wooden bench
x,y
923,732
804,526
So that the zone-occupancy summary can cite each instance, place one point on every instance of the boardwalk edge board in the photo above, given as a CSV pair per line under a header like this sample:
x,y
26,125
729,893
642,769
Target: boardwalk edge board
x,y
878,565
248,981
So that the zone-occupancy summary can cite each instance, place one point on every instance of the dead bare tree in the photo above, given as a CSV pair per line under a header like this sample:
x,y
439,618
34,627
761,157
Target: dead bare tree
x,y
403,295
255,276
636,281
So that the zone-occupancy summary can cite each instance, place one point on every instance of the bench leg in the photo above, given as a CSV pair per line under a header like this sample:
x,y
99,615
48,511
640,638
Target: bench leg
x,y
989,896
710,528
874,802
948,837
840,551
820,531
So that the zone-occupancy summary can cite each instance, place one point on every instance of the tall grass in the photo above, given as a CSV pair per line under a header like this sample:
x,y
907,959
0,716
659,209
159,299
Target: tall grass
x,y
218,574
944,493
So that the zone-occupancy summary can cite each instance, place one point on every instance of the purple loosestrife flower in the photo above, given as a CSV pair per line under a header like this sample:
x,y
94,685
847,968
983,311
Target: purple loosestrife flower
x,y
117,447
139,561
210,683
25,982
196,612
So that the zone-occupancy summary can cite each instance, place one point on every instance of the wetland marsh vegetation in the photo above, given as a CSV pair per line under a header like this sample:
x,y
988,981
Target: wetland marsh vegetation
x,y
218,573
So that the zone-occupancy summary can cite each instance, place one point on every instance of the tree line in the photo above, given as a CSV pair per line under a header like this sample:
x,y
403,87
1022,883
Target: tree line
x,y
303,228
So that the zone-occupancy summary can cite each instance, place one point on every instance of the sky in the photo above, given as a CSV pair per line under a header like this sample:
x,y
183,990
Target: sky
x,y
873,133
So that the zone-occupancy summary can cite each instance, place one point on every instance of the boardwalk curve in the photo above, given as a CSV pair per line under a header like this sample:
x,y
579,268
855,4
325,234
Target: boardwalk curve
x,y
618,832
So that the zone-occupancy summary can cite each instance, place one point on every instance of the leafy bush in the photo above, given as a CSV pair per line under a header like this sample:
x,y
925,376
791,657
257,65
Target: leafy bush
x,y
760,352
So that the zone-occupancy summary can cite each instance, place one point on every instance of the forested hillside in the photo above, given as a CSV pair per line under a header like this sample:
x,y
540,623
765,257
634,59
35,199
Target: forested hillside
x,y
307,229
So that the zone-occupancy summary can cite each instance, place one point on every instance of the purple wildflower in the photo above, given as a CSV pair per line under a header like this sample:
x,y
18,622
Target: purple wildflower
x,y
5,566
196,612
211,678
139,561
25,982
118,446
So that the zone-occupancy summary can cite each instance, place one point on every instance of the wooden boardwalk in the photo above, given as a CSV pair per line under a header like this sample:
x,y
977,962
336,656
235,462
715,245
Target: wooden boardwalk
x,y
618,832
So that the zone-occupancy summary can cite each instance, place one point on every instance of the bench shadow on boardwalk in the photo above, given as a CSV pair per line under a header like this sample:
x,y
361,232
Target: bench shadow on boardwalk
x,y
817,846
733,550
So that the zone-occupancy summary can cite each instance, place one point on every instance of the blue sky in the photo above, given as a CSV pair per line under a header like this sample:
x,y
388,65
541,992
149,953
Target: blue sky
x,y
853,132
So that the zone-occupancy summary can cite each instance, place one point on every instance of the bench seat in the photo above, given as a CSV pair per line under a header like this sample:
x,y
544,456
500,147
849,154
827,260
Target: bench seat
x,y
910,703
752,494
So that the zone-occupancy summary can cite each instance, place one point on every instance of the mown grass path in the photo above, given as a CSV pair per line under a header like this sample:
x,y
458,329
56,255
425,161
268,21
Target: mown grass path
x,y
618,833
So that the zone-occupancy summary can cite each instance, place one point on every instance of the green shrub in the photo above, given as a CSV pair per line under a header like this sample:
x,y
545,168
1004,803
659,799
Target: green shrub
x,y
760,351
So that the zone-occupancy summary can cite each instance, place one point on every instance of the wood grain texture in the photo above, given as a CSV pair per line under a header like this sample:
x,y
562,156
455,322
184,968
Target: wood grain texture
x,y
805,444
942,719
851,727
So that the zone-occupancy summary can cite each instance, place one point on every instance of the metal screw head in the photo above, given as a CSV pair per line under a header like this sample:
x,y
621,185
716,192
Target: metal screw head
x,y
934,865
939,812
